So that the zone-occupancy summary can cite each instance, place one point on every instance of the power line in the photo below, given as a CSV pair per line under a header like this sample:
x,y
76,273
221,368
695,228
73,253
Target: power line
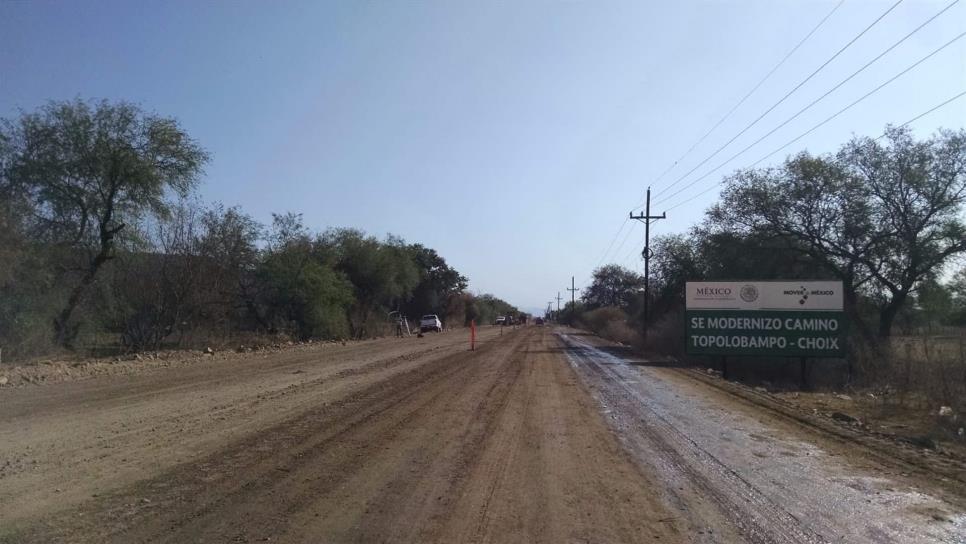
x,y
751,92
616,235
839,84
614,239
633,252
788,94
927,112
790,142
629,255
624,241
833,116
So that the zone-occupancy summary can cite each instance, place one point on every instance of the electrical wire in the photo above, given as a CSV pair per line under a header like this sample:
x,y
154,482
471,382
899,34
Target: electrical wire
x,y
751,92
843,82
624,241
788,94
827,119
614,239
790,142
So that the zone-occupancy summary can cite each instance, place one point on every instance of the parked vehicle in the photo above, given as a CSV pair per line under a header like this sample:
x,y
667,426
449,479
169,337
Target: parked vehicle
x,y
430,322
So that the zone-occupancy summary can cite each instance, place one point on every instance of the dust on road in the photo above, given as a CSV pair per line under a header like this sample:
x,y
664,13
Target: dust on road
x,y
534,437
497,445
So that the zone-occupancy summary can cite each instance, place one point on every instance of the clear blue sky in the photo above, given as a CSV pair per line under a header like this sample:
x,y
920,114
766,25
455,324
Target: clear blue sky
x,y
513,137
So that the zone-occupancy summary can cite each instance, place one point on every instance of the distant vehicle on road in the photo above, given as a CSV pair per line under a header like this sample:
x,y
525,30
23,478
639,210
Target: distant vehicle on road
x,y
430,322
500,321
538,321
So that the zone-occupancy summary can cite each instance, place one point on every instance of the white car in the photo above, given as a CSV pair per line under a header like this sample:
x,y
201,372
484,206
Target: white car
x,y
430,322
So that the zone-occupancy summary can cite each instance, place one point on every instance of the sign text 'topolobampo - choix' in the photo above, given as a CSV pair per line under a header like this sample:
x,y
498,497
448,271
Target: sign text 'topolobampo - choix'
x,y
777,318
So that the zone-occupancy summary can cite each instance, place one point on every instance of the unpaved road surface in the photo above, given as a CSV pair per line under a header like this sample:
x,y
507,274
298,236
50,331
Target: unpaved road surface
x,y
537,436
738,473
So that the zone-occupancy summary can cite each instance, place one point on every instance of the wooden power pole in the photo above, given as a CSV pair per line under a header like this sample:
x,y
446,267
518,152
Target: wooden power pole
x,y
646,217
573,301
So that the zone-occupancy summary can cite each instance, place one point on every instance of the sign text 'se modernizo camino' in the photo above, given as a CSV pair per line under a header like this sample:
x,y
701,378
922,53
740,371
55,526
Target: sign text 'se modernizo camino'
x,y
777,318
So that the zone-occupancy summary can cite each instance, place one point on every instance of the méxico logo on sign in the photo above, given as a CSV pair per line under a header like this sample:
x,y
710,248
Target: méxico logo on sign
x,y
749,293
776,318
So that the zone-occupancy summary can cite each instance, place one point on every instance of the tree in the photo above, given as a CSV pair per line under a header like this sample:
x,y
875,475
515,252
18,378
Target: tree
x,y
303,292
935,303
917,191
957,289
613,285
228,245
710,254
88,169
438,282
383,273
677,260
487,308
881,218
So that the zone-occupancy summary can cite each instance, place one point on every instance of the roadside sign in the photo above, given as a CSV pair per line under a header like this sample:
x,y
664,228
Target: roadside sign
x,y
776,318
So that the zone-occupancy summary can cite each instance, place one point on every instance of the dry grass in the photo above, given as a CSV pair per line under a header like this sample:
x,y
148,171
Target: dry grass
x,y
666,335
924,371
610,323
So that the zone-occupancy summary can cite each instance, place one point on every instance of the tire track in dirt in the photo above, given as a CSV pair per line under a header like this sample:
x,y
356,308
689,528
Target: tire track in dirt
x,y
212,497
748,476
61,443
551,471
756,518
498,445
507,453
409,508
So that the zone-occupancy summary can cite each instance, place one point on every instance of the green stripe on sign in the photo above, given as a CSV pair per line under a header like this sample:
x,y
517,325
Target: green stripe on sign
x,y
778,333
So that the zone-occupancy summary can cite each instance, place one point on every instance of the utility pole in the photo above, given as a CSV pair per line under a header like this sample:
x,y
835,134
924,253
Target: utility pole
x,y
573,303
558,303
550,310
646,217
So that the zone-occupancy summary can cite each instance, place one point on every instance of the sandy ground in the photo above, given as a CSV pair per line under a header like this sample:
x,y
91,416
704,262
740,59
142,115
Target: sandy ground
x,y
537,436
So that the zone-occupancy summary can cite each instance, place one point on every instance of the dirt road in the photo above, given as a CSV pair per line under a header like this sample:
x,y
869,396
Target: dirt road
x,y
537,436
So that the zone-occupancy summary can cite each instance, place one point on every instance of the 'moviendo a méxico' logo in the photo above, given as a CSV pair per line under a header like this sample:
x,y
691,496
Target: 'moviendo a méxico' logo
x,y
802,293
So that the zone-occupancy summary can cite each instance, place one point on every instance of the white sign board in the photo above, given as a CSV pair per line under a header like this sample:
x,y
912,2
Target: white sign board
x,y
764,295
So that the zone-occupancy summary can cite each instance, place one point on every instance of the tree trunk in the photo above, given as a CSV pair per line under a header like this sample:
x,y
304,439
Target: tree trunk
x,y
63,332
888,314
855,317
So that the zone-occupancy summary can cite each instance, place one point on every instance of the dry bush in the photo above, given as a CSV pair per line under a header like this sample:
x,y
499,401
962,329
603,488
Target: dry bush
x,y
610,323
620,331
596,320
924,371
666,336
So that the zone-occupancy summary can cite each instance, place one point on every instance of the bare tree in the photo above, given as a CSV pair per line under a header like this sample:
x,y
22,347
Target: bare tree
x,y
917,193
